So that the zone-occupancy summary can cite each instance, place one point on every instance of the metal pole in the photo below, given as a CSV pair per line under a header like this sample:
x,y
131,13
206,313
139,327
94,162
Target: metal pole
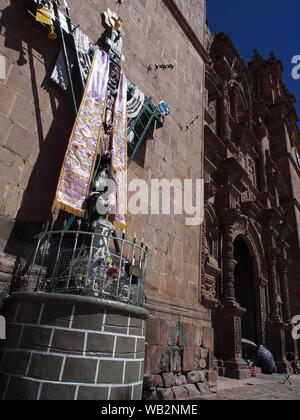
x,y
66,58
68,16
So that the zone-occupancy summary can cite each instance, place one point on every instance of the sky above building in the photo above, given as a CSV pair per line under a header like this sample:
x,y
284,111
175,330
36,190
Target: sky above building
x,y
268,25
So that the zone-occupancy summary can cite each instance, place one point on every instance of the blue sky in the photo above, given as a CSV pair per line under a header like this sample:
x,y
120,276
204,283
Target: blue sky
x,y
269,25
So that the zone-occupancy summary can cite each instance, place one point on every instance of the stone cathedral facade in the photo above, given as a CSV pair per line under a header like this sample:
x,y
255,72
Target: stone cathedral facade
x,y
207,287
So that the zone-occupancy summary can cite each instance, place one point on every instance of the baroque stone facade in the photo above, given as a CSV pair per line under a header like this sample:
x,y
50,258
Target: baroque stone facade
x,y
251,179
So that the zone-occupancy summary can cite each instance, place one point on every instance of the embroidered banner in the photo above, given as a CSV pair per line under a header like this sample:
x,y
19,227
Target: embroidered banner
x,y
118,167
77,172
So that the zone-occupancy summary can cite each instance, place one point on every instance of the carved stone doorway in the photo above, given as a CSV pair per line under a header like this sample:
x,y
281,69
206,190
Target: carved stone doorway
x,y
245,290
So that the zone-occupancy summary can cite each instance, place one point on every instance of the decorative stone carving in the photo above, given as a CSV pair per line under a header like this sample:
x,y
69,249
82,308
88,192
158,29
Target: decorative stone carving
x,y
228,264
272,266
283,276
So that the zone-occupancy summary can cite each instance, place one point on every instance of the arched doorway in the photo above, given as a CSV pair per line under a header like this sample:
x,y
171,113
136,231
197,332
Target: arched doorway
x,y
245,289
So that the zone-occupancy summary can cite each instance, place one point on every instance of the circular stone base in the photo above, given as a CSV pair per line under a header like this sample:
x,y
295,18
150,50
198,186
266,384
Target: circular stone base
x,y
62,347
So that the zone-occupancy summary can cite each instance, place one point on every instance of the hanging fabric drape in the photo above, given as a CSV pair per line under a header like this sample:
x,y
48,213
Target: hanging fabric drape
x,y
78,167
118,167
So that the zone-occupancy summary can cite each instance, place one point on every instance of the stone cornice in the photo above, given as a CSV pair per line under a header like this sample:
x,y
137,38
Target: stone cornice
x,y
187,29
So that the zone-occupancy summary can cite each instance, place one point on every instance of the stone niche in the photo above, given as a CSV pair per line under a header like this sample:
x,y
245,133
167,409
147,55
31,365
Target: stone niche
x,y
62,347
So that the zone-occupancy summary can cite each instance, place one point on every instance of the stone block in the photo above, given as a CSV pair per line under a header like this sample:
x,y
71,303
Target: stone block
x,y
193,391
169,380
180,380
121,394
180,392
125,347
165,394
35,338
21,389
58,392
116,323
87,393
68,342
5,126
110,372
28,313
12,201
153,357
100,345
204,389
15,363
188,359
7,97
81,370
196,376
13,333
45,367
155,381
137,393
140,346
19,141
57,315
11,167
212,377
208,337
132,372
86,318
23,114
7,263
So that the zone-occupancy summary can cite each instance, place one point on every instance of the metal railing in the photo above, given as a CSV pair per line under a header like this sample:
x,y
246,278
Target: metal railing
x,y
87,264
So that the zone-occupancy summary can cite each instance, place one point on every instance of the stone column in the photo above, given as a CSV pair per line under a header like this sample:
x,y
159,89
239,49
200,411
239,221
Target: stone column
x,y
225,110
272,268
229,264
285,293
276,328
229,316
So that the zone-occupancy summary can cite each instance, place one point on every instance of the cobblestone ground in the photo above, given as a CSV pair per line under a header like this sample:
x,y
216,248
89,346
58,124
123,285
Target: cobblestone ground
x,y
262,388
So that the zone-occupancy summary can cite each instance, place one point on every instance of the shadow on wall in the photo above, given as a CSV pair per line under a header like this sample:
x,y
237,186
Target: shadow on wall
x,y
53,122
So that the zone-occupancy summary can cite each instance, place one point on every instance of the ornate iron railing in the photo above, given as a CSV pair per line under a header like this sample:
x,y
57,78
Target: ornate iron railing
x,y
87,264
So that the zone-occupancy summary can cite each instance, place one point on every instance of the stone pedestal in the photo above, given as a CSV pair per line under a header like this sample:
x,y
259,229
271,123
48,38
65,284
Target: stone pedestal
x,y
230,341
277,342
71,348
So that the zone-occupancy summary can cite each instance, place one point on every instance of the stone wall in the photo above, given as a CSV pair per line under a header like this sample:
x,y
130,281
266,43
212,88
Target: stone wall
x,y
71,348
7,268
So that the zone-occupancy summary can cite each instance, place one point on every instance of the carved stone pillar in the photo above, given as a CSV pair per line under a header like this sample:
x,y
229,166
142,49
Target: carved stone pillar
x,y
225,111
262,169
276,328
229,264
285,293
229,349
272,269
